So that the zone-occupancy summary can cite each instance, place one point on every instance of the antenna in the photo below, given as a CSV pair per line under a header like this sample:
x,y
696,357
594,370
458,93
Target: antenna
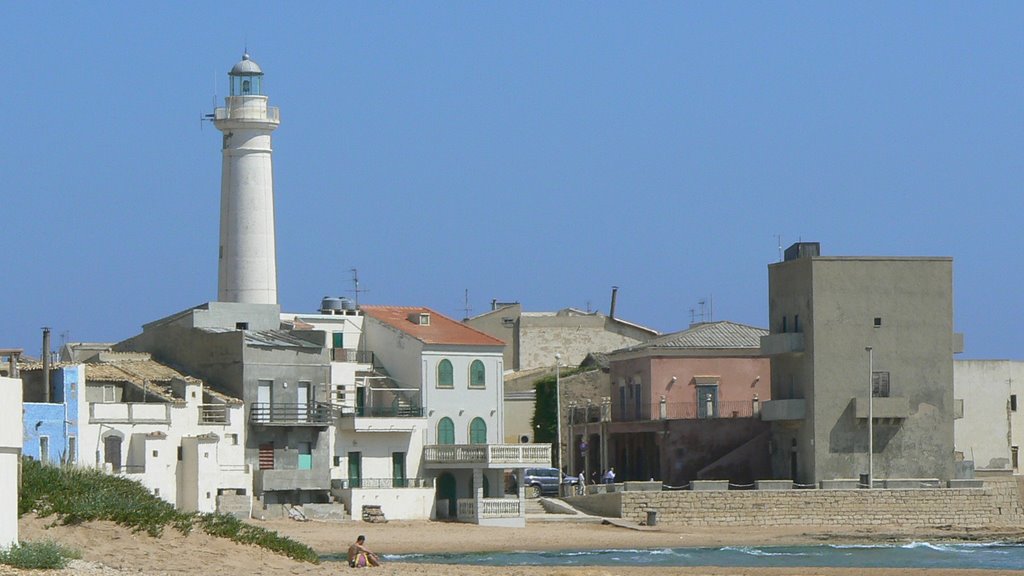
x,y
355,286
778,239
208,117
465,304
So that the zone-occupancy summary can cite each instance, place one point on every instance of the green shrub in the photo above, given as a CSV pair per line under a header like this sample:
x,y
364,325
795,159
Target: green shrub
x,y
77,495
38,555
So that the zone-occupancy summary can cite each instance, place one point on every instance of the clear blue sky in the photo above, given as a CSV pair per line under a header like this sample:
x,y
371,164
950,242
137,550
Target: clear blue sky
x,y
532,151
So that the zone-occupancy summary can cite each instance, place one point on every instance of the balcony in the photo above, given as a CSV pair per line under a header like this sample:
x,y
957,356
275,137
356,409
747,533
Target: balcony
x,y
274,414
495,456
777,410
129,413
214,414
311,479
687,411
384,483
783,343
883,408
356,356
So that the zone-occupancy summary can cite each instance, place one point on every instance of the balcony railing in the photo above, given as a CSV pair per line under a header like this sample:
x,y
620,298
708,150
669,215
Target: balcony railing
x,y
506,455
686,411
489,508
312,414
396,411
214,414
357,356
385,483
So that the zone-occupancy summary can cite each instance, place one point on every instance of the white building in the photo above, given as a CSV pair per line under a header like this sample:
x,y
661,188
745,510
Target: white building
x,y
376,439
458,372
10,458
991,429
143,420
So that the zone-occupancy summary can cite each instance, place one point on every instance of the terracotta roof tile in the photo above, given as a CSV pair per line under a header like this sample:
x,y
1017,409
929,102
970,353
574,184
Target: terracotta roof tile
x,y
440,330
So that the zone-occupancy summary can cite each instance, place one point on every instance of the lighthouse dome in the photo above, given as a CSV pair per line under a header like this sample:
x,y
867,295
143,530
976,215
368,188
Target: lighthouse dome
x,y
246,67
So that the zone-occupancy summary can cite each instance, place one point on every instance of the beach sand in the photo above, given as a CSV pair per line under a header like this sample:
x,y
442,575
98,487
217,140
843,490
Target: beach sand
x,y
110,549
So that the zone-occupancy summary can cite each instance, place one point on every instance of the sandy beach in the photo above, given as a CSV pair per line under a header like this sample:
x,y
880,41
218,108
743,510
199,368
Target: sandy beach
x,y
110,549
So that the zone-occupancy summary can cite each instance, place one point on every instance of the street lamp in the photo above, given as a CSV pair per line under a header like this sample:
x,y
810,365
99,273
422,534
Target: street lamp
x,y
558,413
871,417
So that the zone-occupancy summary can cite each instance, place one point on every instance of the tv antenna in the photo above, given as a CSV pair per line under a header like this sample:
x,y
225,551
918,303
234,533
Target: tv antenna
x,y
466,308
355,286
208,117
778,240
706,313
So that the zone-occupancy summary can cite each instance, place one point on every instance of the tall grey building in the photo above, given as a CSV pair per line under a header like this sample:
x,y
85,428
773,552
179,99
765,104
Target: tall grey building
x,y
840,326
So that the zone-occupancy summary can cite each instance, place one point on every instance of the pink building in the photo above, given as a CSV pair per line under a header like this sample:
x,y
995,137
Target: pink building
x,y
686,406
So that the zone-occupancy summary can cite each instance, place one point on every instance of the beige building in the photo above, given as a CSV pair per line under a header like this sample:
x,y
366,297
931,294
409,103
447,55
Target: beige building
x,y
990,429
533,338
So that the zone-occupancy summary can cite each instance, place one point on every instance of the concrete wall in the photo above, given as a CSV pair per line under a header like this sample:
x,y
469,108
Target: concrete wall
x,y
996,505
533,338
10,458
837,300
396,504
573,336
990,427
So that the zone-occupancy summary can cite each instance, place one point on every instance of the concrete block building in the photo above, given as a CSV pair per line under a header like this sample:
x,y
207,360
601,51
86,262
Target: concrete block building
x,y
853,335
989,430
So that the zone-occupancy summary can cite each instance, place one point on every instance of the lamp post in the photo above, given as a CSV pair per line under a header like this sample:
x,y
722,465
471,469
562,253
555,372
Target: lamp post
x,y
871,417
558,413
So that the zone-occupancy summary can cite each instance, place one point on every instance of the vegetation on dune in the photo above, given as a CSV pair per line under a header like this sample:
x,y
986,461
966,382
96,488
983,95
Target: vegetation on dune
x,y
38,556
75,495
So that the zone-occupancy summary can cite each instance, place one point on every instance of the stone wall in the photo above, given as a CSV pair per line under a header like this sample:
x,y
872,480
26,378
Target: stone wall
x,y
998,504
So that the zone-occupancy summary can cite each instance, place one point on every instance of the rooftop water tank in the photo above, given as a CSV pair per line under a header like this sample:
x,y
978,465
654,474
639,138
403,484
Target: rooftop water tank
x,y
331,305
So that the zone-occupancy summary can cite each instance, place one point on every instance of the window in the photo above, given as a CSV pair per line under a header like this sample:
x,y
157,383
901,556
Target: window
x,y
880,384
878,321
796,323
338,340
445,431
1013,402
478,431
305,461
477,374
445,374
242,325
1014,450
109,393
44,450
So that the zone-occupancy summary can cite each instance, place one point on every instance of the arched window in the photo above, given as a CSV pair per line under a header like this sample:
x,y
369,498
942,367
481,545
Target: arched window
x,y
477,374
445,374
478,431
445,431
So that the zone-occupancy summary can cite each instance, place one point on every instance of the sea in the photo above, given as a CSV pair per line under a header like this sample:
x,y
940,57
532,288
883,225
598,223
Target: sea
x,y
991,555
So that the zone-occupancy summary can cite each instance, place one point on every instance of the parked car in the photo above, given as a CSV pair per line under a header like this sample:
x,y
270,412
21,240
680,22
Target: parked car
x,y
544,481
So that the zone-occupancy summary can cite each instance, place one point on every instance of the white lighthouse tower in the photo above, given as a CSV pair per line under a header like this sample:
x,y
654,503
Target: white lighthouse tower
x,y
247,268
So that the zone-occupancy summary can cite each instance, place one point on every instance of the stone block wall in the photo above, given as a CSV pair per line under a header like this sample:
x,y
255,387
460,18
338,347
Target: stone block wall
x,y
997,504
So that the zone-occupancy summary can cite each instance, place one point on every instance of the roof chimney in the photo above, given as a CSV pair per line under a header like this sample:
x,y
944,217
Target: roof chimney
x,y
615,293
46,365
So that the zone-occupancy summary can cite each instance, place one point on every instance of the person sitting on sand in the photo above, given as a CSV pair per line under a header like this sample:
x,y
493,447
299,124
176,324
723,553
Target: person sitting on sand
x,y
359,556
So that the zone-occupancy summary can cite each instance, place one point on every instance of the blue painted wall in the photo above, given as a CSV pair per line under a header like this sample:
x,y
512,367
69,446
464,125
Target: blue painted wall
x,y
56,421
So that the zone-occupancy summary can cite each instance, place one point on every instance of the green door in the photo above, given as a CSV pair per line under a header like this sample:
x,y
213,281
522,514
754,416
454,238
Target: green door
x,y
398,479
355,469
446,491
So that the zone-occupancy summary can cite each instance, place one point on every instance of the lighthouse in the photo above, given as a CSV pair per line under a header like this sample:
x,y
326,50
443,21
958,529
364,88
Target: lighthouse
x,y
247,264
